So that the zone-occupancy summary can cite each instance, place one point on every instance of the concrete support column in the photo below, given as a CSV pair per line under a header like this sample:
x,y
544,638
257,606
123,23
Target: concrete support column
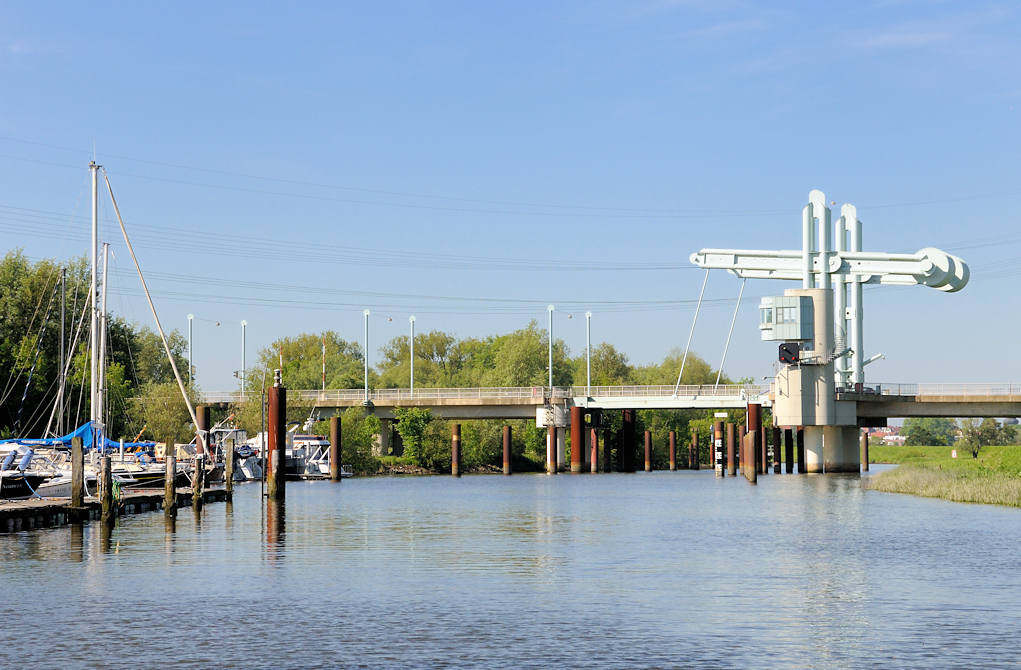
x,y
455,450
594,451
506,450
788,450
863,442
577,439
731,455
813,449
648,451
672,438
276,441
801,450
561,448
551,450
628,439
841,449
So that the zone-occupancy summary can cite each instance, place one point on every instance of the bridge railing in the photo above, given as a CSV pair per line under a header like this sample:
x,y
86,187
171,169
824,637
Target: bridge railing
x,y
961,389
535,393
689,390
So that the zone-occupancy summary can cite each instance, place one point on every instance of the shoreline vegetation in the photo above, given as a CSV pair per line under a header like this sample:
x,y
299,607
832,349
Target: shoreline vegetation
x,y
994,478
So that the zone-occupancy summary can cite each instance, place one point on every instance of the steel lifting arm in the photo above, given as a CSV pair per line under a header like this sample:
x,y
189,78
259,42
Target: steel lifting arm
x,y
928,267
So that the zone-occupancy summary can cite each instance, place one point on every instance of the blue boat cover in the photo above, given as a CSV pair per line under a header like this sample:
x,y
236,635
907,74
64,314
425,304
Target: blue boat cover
x,y
84,432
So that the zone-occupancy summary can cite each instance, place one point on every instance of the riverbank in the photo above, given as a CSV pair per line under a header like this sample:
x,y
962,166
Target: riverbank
x,y
993,478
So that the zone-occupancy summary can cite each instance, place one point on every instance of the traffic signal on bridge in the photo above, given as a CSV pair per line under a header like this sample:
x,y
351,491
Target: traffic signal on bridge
x,y
790,352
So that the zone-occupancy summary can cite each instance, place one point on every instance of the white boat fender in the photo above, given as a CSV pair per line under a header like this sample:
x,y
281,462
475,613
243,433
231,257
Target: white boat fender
x,y
9,460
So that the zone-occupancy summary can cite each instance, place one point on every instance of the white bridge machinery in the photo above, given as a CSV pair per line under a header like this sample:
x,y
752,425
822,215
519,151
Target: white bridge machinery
x,y
820,330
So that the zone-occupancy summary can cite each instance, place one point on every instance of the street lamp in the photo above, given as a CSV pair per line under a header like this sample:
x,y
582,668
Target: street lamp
x,y
588,354
411,320
550,308
244,324
366,314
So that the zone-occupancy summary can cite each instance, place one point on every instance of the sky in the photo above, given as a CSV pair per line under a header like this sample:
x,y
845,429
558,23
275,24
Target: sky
x,y
469,163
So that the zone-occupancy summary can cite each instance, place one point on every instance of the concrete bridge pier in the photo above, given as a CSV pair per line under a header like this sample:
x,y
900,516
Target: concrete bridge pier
x,y
841,449
814,459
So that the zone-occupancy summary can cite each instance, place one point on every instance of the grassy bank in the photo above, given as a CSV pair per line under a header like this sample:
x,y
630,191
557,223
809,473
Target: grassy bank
x,y
993,478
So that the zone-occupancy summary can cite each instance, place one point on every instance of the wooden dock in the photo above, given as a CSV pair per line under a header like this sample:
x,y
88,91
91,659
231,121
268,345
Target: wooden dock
x,y
17,515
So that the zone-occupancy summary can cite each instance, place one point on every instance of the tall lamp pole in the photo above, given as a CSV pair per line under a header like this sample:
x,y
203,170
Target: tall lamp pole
x,y
366,314
244,324
411,320
588,354
550,309
191,319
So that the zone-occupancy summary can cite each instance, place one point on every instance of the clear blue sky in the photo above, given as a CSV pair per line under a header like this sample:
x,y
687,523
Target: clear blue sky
x,y
395,155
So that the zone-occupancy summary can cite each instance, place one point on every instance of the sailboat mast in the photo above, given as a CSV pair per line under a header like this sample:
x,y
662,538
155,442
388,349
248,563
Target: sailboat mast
x,y
60,374
102,342
94,321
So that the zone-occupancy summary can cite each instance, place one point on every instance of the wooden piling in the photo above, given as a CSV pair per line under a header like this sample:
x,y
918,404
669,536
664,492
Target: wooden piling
x,y
455,450
107,509
577,439
594,446
648,451
336,449
198,479
693,451
742,430
228,470
506,450
77,473
276,429
801,451
754,418
731,449
751,447
170,480
863,443
775,433
607,451
788,450
672,438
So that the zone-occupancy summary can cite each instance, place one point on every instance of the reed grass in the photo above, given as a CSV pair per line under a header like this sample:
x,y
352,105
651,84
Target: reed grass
x,y
993,478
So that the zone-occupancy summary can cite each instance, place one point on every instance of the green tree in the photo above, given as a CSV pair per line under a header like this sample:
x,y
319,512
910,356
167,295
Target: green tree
x,y
302,357
163,412
976,434
928,432
412,423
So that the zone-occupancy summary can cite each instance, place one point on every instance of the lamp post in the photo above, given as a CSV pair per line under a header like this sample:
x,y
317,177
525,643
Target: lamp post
x,y
588,354
191,320
550,308
411,321
366,314
244,324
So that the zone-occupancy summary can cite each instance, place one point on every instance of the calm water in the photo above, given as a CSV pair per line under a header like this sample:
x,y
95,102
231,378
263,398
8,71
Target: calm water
x,y
660,570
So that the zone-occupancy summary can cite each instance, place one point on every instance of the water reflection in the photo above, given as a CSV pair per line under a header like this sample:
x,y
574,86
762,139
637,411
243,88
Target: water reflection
x,y
76,535
274,529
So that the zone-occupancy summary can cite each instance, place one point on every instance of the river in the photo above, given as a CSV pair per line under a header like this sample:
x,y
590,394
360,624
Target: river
x,y
642,570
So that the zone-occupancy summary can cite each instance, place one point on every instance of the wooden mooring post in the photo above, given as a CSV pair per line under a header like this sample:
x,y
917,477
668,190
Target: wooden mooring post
x,y
107,509
170,480
228,471
336,449
77,473
455,450
750,446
